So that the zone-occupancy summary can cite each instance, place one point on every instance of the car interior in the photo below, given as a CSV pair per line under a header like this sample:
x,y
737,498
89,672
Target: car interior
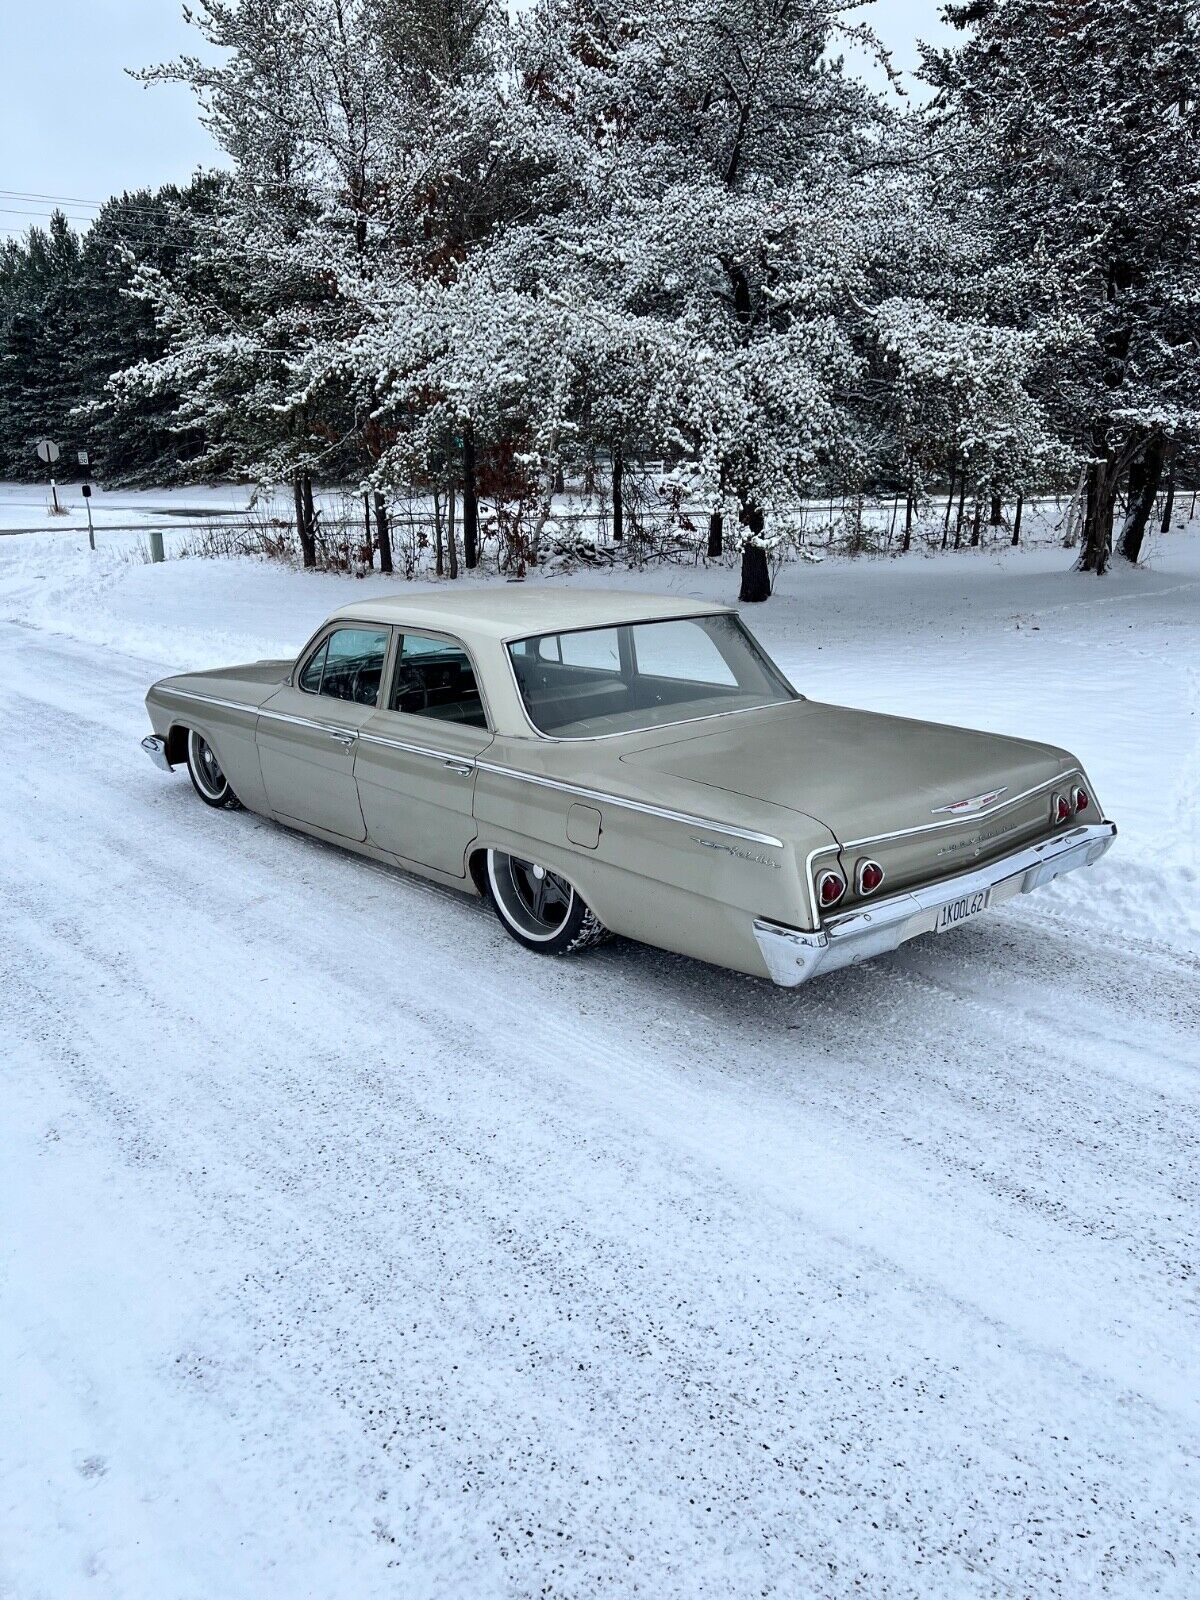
x,y
435,678
601,680
348,666
560,696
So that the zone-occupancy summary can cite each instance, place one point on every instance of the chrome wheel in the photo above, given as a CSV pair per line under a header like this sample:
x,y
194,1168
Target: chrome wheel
x,y
540,908
208,780
533,899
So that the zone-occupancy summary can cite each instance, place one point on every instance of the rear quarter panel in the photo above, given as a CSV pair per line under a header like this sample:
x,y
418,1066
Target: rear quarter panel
x,y
675,884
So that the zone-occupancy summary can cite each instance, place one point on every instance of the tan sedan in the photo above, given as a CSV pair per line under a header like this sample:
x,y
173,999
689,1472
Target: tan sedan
x,y
604,762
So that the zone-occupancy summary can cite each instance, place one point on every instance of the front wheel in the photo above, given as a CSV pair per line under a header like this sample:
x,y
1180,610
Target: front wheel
x,y
540,909
209,782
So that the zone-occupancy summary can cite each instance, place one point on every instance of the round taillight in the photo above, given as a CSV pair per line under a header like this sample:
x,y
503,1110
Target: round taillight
x,y
1062,808
831,886
870,876
1081,800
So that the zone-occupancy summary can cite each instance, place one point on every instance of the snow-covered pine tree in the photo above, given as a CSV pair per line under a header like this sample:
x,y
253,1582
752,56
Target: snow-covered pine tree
x,y
38,284
1080,123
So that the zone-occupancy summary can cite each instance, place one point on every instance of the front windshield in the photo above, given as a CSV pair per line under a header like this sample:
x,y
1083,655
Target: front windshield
x,y
595,681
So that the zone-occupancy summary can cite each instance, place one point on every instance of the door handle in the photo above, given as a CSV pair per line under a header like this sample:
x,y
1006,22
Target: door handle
x,y
462,769
343,737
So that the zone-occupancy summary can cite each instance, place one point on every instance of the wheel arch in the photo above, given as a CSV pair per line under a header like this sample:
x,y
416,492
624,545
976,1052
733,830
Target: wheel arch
x,y
177,744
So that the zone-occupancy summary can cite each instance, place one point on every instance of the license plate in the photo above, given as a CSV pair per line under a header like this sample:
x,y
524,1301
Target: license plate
x,y
956,912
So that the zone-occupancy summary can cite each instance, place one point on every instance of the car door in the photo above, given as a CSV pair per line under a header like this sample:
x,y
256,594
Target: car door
x,y
415,760
307,730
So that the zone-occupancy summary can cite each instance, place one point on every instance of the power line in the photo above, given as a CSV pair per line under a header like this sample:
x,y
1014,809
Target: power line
x,y
115,202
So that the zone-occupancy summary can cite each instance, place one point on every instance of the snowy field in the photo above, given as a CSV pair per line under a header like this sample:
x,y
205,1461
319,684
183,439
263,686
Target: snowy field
x,y
348,1251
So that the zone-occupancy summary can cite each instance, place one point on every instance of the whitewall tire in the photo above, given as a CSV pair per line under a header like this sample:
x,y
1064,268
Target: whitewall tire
x,y
208,780
539,908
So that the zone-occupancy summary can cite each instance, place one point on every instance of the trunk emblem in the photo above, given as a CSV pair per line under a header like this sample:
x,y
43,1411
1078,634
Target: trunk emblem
x,y
966,808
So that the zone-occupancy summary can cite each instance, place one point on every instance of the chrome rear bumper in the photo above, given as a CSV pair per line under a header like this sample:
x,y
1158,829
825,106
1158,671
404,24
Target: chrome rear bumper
x,y
156,749
793,956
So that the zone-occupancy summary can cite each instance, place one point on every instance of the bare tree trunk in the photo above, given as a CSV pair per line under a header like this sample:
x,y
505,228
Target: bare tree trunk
x,y
908,522
949,504
305,517
1145,475
997,516
383,533
451,541
298,497
716,536
756,575
437,532
1169,503
975,525
962,501
470,500
1098,516
1016,538
618,495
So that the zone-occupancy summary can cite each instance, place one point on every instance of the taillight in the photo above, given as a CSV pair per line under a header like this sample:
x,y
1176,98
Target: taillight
x,y
869,876
1082,801
831,886
1062,808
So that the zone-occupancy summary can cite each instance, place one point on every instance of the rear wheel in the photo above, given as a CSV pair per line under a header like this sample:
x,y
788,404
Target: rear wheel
x,y
539,908
209,782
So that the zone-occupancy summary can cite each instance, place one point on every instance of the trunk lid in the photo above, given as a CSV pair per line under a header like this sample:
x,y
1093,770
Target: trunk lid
x,y
865,776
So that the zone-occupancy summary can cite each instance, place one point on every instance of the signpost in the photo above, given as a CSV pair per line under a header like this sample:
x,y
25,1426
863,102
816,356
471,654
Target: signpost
x,y
49,452
87,500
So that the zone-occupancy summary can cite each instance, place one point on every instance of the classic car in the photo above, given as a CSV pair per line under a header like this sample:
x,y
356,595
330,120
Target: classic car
x,y
600,762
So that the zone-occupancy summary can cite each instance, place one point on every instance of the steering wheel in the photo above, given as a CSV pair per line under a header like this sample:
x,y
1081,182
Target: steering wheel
x,y
409,680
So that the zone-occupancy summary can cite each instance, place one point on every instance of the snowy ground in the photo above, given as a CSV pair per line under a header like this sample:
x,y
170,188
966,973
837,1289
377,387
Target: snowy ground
x,y
347,1251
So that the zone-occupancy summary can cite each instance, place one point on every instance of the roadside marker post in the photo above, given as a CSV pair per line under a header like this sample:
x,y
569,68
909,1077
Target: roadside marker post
x,y
156,545
87,500
49,452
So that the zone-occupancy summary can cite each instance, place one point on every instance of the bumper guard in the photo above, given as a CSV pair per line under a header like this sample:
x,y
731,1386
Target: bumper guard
x,y
156,749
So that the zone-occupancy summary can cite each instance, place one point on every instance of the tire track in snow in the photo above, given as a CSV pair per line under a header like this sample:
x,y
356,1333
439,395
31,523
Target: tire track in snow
x,y
677,1366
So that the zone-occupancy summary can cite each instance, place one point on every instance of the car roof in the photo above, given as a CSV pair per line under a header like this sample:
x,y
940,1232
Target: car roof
x,y
511,611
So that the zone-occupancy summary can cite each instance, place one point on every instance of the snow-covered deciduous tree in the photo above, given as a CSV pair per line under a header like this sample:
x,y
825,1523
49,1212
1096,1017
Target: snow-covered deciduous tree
x,y
729,180
362,138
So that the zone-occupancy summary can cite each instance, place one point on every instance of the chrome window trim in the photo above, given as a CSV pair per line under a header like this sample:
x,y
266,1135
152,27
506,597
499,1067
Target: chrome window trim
x,y
601,797
627,733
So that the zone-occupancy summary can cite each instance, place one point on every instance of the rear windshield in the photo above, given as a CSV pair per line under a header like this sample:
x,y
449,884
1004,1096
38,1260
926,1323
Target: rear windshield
x,y
640,675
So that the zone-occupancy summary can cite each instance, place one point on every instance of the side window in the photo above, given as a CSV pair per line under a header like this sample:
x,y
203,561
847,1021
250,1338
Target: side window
x,y
434,678
348,666
310,678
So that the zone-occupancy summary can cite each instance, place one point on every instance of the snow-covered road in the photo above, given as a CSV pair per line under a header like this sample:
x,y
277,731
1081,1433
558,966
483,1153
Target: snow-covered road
x,y
348,1251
